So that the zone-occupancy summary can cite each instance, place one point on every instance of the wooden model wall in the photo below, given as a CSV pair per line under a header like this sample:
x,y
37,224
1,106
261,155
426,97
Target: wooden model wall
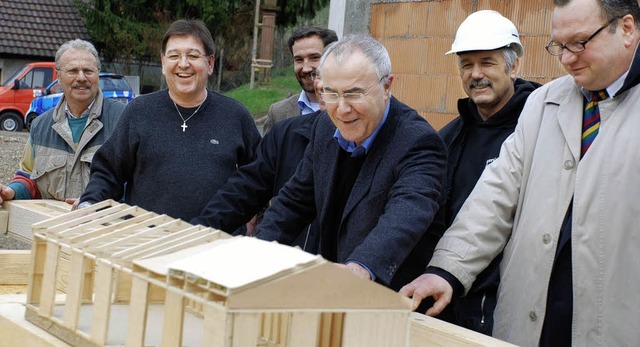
x,y
16,218
136,278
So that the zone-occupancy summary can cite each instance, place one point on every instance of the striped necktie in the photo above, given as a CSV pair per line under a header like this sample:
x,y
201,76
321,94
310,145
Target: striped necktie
x,y
591,120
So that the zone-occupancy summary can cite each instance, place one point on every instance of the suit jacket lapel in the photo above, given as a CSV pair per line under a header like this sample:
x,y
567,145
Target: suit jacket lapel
x,y
326,167
570,123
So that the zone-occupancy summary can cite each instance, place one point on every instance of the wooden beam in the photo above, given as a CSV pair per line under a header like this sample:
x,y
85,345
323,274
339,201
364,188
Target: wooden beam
x,y
429,331
20,215
15,266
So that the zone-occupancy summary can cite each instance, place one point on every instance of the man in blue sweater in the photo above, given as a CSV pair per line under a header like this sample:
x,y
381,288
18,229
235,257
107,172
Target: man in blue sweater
x,y
175,148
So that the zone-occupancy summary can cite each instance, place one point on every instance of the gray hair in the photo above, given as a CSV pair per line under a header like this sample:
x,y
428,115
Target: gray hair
x,y
365,44
510,56
80,45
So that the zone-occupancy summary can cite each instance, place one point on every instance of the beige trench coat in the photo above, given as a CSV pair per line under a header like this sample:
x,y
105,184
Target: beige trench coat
x,y
520,202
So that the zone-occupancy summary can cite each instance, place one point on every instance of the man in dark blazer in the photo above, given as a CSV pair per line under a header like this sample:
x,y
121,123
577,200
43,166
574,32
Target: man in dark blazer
x,y
373,173
306,44
252,186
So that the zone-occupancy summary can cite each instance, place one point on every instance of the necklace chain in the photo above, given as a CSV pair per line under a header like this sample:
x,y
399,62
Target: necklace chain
x,y
184,125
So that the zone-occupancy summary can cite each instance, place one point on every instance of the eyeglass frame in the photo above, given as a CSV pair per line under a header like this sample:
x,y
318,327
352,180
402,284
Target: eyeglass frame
x,y
581,43
175,57
75,72
359,96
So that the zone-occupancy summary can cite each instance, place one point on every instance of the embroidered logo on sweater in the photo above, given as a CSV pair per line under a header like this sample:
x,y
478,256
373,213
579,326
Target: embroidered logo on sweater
x,y
214,142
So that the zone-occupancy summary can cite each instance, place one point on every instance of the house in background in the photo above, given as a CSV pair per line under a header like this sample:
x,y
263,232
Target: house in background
x,y
32,30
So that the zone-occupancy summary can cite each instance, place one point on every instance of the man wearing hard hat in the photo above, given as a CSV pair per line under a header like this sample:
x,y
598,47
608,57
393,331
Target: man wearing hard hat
x,y
488,52
561,199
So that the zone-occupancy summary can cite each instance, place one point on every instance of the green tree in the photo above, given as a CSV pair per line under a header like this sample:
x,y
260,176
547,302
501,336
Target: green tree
x,y
293,10
132,30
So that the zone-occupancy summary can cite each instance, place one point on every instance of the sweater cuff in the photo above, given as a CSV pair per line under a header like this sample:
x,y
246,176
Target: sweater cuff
x,y
21,192
458,288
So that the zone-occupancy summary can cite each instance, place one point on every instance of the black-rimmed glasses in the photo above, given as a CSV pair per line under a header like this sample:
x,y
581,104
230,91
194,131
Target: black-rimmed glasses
x,y
556,48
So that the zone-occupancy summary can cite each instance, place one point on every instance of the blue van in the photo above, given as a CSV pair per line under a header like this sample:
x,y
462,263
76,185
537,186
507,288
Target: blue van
x,y
113,86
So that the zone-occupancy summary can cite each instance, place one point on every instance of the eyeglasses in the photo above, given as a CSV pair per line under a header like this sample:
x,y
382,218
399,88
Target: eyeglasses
x,y
332,98
556,48
73,73
192,57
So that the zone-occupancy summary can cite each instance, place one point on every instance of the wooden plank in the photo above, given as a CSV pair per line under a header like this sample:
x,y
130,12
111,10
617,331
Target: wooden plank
x,y
429,331
304,329
24,213
12,289
376,329
103,289
330,334
173,324
85,239
353,293
216,324
74,215
4,220
74,291
36,270
47,296
246,329
17,331
137,313
160,242
97,224
15,265
66,225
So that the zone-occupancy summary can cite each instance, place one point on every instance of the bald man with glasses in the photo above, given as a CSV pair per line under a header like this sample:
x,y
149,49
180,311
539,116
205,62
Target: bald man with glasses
x,y
372,174
561,199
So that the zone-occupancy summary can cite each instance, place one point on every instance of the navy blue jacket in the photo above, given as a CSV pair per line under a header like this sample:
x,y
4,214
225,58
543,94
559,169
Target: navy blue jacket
x,y
251,187
393,202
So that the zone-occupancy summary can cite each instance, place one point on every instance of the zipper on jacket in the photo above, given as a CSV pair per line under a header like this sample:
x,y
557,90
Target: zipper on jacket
x,y
484,296
306,239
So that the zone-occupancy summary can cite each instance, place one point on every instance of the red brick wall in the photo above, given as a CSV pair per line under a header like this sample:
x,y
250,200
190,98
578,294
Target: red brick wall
x,y
417,34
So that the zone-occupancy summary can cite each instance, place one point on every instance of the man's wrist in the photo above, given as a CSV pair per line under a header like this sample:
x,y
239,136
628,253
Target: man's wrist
x,y
84,204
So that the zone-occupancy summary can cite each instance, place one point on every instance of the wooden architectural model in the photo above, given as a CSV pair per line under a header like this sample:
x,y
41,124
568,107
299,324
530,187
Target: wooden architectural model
x,y
17,216
136,278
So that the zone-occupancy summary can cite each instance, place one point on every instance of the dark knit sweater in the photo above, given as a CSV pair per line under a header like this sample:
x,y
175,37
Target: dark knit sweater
x,y
166,170
474,143
347,172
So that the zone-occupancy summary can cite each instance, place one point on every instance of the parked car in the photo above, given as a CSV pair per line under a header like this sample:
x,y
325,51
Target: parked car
x,y
17,92
113,86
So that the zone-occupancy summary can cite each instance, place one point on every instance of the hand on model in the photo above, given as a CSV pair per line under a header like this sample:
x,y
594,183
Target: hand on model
x,y
429,285
6,194
73,202
357,269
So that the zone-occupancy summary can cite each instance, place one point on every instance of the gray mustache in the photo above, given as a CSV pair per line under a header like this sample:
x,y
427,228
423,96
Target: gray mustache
x,y
78,84
480,84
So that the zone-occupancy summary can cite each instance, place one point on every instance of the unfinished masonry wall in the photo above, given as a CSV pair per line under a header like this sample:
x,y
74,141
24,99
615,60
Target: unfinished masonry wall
x,y
417,34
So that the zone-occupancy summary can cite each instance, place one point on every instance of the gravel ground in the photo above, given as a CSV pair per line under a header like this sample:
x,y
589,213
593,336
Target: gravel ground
x,y
11,148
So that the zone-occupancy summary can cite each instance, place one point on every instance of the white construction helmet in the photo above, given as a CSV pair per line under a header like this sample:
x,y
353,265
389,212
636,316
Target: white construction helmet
x,y
485,31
